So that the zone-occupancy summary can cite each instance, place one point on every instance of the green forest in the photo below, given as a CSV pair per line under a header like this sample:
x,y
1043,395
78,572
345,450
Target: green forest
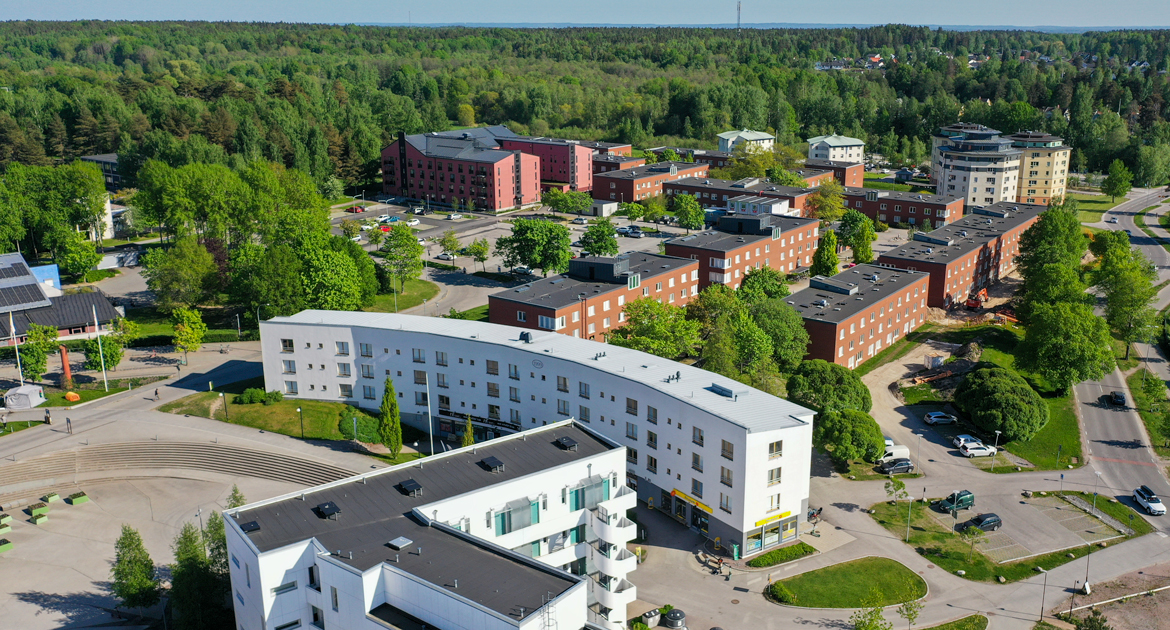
x,y
324,99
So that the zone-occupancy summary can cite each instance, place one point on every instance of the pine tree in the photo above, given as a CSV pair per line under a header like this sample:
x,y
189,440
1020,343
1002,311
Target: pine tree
x,y
825,260
468,434
134,579
389,421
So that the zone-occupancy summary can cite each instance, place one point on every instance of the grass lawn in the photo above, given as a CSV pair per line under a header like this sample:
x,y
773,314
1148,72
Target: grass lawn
x,y
153,322
855,584
57,398
414,293
1119,352
17,425
477,314
1061,434
1092,208
919,394
974,622
1149,398
1119,511
899,349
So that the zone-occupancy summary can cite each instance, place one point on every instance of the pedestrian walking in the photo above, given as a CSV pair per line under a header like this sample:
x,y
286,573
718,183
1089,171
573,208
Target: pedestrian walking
x,y
68,426
156,394
48,418
721,566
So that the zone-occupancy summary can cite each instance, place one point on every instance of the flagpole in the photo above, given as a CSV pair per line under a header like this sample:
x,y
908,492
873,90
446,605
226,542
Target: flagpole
x,y
101,353
12,330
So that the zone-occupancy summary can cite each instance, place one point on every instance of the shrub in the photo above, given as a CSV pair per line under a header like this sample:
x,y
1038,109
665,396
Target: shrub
x,y
251,396
999,399
880,226
638,625
273,397
784,554
782,593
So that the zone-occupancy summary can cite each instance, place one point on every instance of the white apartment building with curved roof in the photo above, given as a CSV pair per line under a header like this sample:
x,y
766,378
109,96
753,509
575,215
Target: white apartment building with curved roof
x,y
725,459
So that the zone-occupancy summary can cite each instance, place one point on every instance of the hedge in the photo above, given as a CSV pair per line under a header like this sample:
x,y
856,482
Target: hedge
x,y
782,593
783,554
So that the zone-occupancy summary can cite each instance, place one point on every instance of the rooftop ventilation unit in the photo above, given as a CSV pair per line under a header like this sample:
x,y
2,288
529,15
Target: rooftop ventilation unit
x,y
821,303
526,337
249,527
493,464
930,250
400,543
873,278
410,487
567,443
728,392
329,510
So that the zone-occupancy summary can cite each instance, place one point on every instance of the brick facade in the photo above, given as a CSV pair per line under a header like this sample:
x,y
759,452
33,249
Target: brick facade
x,y
726,254
642,182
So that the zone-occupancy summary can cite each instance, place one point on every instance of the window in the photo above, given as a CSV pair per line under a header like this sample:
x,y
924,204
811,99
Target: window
x,y
289,626
725,502
514,394
333,596
583,390
419,355
775,449
314,583
494,412
697,436
290,387
420,377
440,358
367,371
651,414
346,390
521,316
551,323
441,379
343,348
285,588
290,367
652,464
286,345
513,371
697,488
727,450
725,476
632,455
493,390
631,406
420,398
563,407
366,349
562,384
652,439
583,413
493,367
444,402
697,462
773,476
515,416
773,503
631,430
368,392
343,370
318,617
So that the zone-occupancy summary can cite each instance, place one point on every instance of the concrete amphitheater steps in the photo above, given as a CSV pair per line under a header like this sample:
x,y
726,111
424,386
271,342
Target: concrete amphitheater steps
x,y
23,479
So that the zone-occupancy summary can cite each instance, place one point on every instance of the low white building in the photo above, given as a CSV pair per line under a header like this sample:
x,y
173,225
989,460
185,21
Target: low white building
x,y
835,147
752,204
756,140
527,532
727,460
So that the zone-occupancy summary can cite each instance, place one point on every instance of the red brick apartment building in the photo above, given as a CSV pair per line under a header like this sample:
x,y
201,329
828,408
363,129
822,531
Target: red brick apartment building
x,y
849,174
603,163
742,242
892,206
607,148
851,316
814,176
588,300
714,193
467,166
562,162
968,255
642,182
714,159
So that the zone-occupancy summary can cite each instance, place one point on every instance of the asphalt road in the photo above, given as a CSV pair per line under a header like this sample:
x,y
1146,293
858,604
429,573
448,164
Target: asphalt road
x,y
1117,441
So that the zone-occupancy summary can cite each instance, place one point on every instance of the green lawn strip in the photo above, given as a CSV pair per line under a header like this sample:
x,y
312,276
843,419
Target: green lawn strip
x,y
413,294
477,314
155,323
1119,352
855,584
1092,208
57,398
1149,398
1141,223
897,350
19,425
782,555
1060,435
974,622
920,394
1118,510
949,551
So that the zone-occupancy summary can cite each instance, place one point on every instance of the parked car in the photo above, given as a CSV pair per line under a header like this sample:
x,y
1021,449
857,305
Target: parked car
x,y
987,522
446,256
635,233
938,417
580,221
1117,398
393,220
355,209
413,222
521,271
454,217
960,440
962,500
625,229
383,218
357,239
1128,233
977,449
367,226
385,228
422,241
1111,220
1149,501
577,244
896,466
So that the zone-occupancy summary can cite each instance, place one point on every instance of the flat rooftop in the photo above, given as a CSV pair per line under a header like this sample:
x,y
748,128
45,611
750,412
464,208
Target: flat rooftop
x,y
759,411
811,172
815,163
717,241
900,195
561,291
650,170
375,510
837,298
946,244
729,186
608,157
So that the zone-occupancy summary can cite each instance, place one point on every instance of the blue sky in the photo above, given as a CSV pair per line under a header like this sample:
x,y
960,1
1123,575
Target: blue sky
x,y
698,12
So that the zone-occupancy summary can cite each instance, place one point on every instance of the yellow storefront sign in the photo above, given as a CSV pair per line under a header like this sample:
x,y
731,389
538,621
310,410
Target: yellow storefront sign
x,y
771,519
688,499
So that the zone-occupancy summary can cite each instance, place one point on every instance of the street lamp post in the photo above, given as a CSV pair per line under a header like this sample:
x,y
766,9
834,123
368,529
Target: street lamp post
x,y
258,313
955,511
1089,556
996,453
302,422
919,459
1043,592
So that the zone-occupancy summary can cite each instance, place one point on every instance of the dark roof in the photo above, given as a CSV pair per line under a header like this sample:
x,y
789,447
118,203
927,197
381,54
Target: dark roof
x,y
560,291
741,186
983,225
689,151
724,241
377,510
811,172
899,195
648,170
596,144
66,311
607,157
815,163
848,293
101,157
1034,136
19,288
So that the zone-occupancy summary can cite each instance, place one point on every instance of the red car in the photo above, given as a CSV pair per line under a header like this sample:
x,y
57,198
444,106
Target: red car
x,y
355,209
384,228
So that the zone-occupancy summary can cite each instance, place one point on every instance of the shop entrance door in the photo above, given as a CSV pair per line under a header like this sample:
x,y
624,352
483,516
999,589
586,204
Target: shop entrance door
x,y
699,521
680,509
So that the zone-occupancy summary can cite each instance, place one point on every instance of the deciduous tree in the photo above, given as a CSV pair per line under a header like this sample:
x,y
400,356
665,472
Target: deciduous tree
x,y
536,244
479,250
689,213
1067,344
183,276
786,329
827,202
600,238
189,329
403,255
823,386
34,352
1119,181
658,328
1126,277
848,435
762,284
997,399
825,261
133,577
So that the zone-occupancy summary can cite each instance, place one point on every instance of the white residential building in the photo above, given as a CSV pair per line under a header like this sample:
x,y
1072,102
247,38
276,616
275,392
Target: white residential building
x,y
727,460
974,162
752,204
837,148
527,532
756,140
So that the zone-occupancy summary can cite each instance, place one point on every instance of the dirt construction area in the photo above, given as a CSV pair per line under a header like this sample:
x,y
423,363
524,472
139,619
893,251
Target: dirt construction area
x,y
1140,612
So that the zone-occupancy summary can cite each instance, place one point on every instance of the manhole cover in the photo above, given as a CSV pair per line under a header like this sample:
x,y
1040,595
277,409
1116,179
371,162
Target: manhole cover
x,y
930,566
735,601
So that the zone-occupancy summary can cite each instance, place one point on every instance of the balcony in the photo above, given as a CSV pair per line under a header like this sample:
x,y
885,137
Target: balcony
x,y
621,594
613,528
620,501
617,562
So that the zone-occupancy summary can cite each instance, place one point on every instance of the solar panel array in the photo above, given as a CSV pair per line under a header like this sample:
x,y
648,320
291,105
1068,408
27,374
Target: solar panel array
x,y
14,271
19,289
